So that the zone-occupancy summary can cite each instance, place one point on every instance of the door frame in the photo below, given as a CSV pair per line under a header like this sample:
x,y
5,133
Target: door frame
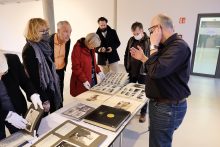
x,y
217,72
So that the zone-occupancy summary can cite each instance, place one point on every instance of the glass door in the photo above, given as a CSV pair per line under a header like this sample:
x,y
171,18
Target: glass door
x,y
205,59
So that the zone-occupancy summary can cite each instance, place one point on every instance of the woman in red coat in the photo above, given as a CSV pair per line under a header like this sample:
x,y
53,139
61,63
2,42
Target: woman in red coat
x,y
84,67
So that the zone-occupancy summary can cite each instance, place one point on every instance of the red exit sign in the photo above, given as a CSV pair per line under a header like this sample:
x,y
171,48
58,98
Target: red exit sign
x,y
182,20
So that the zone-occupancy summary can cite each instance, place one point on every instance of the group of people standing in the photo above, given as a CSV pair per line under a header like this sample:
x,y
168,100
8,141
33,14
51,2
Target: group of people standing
x,y
160,61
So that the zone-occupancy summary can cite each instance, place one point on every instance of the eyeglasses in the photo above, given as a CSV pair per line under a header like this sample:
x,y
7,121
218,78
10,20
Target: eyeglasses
x,y
151,29
45,31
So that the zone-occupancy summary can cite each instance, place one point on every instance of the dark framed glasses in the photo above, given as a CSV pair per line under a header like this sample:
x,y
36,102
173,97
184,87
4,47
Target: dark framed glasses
x,y
45,31
151,29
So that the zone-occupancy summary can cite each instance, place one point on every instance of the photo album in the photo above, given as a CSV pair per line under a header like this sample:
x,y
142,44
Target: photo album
x,y
69,134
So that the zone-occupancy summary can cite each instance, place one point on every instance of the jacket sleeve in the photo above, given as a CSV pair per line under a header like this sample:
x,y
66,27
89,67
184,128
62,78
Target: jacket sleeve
x,y
127,53
5,101
24,81
161,65
76,64
31,66
116,41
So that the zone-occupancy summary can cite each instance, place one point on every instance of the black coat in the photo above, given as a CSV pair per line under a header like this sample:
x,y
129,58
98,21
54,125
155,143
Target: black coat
x,y
169,70
112,41
15,79
31,65
67,47
132,65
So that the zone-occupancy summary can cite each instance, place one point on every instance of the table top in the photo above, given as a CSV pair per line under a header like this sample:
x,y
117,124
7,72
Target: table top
x,y
55,119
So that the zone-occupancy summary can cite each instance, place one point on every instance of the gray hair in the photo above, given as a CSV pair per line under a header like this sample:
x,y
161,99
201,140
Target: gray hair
x,y
92,38
165,20
3,62
61,23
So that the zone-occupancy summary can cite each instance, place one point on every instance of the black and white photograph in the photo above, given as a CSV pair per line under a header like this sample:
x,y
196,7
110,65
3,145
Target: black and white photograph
x,y
65,129
93,98
65,143
77,111
123,105
133,91
84,136
31,118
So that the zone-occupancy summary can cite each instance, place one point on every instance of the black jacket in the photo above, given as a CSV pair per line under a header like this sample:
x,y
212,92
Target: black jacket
x,y
112,41
31,66
15,79
132,65
67,47
169,70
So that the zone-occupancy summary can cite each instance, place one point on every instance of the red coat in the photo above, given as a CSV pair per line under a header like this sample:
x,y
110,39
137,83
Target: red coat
x,y
81,67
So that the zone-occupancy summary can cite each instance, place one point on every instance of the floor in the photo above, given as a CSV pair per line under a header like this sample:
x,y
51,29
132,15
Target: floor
x,y
201,126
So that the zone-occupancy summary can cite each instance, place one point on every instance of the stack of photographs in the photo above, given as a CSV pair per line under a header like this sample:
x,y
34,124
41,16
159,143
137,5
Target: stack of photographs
x,y
133,91
92,98
123,103
69,134
119,78
17,139
77,111
112,83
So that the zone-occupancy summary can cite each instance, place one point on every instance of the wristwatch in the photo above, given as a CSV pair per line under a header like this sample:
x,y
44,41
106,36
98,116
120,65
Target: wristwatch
x,y
153,47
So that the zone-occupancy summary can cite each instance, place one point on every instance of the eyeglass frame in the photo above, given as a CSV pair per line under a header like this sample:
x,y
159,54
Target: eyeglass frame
x,y
45,31
152,28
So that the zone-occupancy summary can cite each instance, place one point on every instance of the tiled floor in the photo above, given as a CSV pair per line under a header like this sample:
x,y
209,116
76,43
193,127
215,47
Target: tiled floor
x,y
201,126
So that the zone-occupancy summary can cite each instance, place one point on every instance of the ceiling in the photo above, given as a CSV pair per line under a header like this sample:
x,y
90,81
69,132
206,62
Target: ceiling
x,y
3,2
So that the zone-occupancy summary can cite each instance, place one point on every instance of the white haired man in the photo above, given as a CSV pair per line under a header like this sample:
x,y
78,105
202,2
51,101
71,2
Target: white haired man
x,y
60,43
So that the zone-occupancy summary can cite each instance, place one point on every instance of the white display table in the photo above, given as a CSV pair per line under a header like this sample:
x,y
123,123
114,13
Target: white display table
x,y
53,120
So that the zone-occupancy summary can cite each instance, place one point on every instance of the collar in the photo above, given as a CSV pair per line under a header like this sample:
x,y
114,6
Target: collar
x,y
171,39
56,41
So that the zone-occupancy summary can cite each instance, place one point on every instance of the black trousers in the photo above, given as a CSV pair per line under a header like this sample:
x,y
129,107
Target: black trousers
x,y
11,129
61,74
141,80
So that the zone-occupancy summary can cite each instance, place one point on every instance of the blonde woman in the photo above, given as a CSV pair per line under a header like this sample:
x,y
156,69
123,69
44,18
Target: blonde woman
x,y
39,65
84,67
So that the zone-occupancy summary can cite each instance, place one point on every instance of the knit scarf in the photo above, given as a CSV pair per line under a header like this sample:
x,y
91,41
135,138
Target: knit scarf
x,y
48,77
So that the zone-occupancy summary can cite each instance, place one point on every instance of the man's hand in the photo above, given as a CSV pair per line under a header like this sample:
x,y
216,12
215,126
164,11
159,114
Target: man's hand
x,y
102,49
46,106
156,36
109,50
35,98
16,120
101,75
138,54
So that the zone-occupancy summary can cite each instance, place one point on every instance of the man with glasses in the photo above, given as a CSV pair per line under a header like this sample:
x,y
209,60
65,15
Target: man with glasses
x,y
136,68
168,69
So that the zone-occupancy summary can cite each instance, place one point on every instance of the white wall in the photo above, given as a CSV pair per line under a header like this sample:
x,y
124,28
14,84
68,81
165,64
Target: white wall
x,y
14,17
130,11
83,15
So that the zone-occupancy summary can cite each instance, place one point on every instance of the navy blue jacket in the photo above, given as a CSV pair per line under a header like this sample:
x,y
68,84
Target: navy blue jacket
x,y
169,70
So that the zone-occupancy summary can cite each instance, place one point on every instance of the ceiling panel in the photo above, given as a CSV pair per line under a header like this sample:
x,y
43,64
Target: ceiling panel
x,y
3,2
